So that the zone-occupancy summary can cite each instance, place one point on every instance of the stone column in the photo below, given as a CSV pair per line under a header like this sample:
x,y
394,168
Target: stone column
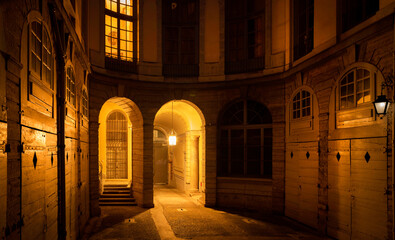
x,y
194,163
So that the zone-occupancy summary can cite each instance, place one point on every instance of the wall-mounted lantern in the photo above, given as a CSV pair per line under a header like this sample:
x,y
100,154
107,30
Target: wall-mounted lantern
x,y
382,104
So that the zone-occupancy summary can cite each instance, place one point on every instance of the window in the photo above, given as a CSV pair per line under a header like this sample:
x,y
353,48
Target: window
x,y
40,82
120,26
244,35
41,59
355,88
180,37
245,141
84,103
70,87
303,27
117,146
354,12
301,105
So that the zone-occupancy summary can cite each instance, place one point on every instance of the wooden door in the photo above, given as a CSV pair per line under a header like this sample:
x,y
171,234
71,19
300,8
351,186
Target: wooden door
x,y
301,200
160,163
339,197
357,200
39,185
368,188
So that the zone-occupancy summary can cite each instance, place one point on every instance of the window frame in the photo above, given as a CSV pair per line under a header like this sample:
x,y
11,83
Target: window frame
x,y
40,91
345,11
225,146
180,68
111,61
372,80
300,101
244,62
309,29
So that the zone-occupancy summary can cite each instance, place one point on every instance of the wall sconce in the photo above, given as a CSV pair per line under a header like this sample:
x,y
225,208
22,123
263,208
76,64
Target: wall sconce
x,y
382,104
172,136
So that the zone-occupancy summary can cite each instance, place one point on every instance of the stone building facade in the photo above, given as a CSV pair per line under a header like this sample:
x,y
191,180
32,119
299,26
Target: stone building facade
x,y
271,102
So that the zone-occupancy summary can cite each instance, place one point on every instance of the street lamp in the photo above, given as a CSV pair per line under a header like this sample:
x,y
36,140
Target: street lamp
x,y
382,104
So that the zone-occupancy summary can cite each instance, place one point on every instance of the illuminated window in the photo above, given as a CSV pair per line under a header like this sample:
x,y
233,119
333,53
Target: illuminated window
x,y
301,105
355,88
84,103
70,86
120,22
40,54
245,141
244,22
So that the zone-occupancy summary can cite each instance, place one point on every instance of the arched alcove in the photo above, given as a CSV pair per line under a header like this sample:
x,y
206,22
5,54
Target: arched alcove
x,y
186,159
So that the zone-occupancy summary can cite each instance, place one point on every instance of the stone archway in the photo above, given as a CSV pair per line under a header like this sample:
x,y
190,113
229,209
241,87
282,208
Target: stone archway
x,y
186,160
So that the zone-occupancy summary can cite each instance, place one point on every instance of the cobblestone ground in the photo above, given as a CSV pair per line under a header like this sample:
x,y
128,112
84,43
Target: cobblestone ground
x,y
178,216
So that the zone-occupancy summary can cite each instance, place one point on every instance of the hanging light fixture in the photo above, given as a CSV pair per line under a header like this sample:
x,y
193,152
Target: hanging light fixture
x,y
172,136
382,104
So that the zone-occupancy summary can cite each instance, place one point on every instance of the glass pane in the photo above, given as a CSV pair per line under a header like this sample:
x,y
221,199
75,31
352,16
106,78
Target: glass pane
x,y
223,153
350,88
367,96
350,101
367,84
360,98
237,152
359,86
343,103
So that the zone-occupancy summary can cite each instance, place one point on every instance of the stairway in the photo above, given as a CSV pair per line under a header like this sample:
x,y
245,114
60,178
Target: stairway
x,y
116,195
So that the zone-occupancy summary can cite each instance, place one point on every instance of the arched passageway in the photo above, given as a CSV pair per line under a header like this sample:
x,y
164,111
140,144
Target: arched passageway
x,y
120,125
182,165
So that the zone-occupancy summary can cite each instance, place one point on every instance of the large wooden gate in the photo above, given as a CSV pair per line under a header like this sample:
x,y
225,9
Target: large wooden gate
x,y
301,192
39,185
357,200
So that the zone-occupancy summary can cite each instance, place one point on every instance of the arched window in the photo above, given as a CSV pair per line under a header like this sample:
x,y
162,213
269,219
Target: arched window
x,y
70,87
40,53
245,141
117,146
301,105
355,88
40,81
84,103
120,30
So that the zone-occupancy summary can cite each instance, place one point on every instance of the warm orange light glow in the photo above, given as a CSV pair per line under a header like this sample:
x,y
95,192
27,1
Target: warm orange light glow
x,y
119,32
172,140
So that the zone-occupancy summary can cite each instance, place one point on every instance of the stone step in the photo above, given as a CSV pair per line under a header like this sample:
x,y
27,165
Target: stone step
x,y
118,204
116,192
129,199
112,195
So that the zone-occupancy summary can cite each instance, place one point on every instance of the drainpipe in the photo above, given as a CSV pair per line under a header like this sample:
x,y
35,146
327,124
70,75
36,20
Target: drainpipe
x,y
60,114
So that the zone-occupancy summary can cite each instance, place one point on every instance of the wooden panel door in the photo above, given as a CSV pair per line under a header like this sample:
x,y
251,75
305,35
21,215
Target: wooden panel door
x,y
357,200
368,188
39,185
292,181
339,200
301,200
160,163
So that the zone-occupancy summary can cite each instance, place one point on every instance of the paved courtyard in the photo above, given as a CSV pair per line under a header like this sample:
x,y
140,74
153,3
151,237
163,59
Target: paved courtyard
x,y
178,216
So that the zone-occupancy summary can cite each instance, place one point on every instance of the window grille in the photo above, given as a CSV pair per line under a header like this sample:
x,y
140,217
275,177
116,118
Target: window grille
x,y
117,146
